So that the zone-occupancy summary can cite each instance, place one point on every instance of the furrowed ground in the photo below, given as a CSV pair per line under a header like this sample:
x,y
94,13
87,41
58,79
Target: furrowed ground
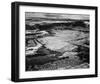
x,y
57,47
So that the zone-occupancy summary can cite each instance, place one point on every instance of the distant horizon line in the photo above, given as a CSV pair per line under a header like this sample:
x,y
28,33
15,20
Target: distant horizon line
x,y
61,19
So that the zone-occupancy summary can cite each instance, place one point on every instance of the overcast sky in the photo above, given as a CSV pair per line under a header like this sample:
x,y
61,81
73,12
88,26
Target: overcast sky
x,y
57,16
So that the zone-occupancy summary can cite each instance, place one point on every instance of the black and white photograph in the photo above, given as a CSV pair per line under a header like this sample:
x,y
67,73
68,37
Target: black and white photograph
x,y
53,41
56,41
